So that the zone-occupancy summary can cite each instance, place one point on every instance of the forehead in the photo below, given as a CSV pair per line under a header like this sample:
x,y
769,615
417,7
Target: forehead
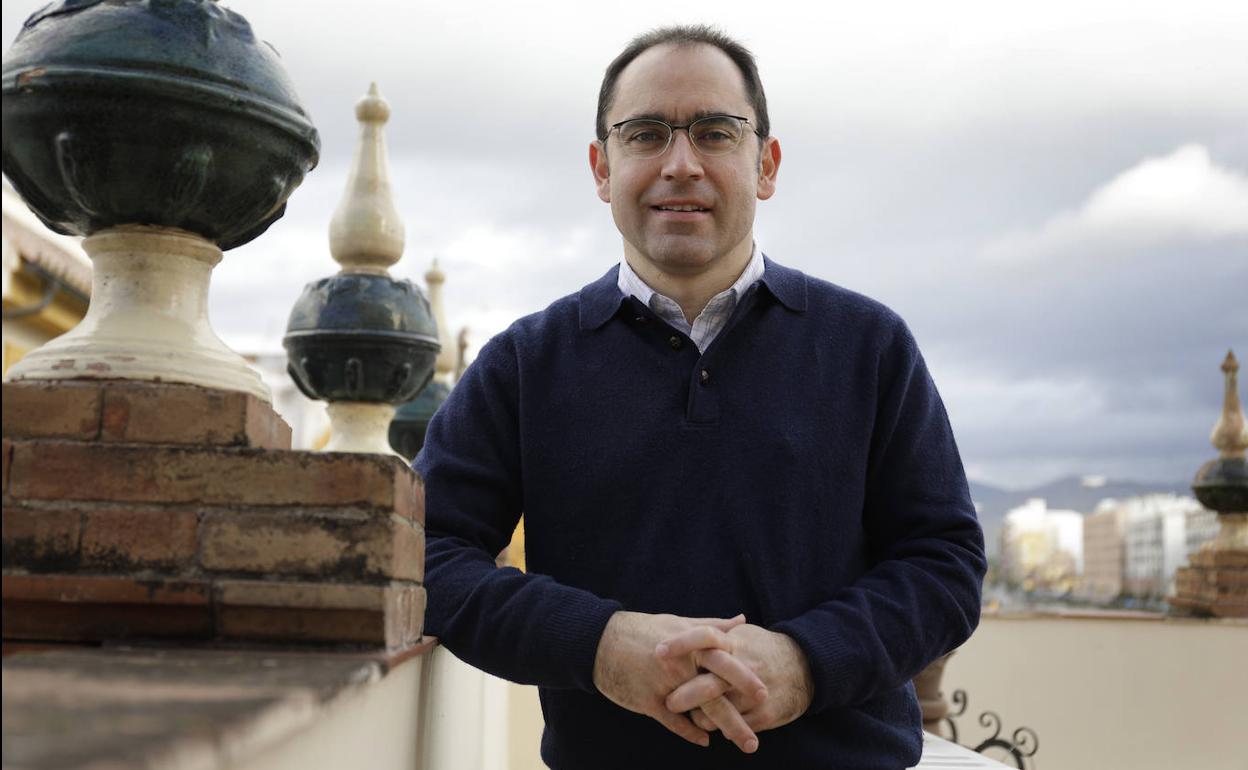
x,y
677,81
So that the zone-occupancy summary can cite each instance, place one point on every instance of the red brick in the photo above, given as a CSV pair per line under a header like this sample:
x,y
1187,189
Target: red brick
x,y
124,540
41,540
389,616
315,596
55,409
86,608
104,589
58,470
410,496
405,626
1234,558
324,545
5,457
162,413
1226,608
300,625
54,621
8,649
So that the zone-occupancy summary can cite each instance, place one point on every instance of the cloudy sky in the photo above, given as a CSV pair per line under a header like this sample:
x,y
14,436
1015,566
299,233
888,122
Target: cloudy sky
x,y
1054,195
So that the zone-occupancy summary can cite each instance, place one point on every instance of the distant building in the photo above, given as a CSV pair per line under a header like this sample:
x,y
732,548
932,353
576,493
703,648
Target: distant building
x,y
1104,553
46,280
1042,549
1132,547
1201,527
1156,540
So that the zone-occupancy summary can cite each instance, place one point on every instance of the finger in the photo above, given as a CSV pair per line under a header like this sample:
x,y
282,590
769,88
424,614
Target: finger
x,y
723,624
760,719
680,724
695,692
740,677
696,638
731,724
700,719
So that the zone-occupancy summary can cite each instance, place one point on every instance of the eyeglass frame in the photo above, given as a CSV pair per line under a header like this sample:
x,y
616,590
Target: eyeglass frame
x,y
672,129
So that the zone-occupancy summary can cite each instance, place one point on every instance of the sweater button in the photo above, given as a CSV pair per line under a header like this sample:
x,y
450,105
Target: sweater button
x,y
641,319
676,342
705,377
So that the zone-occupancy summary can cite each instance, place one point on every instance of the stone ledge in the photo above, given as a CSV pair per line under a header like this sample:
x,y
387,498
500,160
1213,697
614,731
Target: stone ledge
x,y
179,708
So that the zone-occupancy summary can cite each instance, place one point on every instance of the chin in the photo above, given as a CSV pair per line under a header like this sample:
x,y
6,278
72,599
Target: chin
x,y
683,258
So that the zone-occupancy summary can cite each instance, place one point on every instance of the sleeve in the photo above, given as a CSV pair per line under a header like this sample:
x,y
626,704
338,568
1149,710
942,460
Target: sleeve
x,y
522,627
920,595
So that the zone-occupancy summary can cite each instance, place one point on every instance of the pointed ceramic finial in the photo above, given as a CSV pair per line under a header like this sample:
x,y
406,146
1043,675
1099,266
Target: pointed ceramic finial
x,y
445,366
461,360
1230,433
366,234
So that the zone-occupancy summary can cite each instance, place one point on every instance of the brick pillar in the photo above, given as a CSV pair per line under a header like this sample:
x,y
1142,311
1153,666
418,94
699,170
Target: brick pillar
x,y
139,510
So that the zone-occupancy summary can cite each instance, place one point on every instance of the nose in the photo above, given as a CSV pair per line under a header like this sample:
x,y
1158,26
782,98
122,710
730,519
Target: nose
x,y
681,161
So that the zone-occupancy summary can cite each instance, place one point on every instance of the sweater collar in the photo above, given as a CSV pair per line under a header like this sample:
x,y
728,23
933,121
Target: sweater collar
x,y
601,299
786,284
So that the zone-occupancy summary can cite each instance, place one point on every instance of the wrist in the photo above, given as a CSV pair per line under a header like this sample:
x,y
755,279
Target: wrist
x,y
607,644
805,680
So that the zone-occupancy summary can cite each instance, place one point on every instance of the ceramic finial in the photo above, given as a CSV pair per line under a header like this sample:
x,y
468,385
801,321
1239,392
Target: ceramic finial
x,y
1230,433
445,366
366,233
461,360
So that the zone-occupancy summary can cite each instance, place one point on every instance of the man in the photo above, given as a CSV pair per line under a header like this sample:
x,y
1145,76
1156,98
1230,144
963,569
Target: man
x,y
745,512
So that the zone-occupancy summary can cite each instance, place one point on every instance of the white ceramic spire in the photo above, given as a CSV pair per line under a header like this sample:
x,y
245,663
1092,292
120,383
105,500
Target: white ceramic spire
x,y
444,368
366,234
1230,433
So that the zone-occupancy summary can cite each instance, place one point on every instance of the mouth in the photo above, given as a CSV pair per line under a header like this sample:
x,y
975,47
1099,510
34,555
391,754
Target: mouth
x,y
679,207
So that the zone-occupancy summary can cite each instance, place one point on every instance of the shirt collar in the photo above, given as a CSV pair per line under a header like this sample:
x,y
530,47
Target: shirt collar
x,y
601,299
631,284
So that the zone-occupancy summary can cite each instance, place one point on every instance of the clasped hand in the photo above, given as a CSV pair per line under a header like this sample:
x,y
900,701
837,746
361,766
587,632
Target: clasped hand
x,y
698,675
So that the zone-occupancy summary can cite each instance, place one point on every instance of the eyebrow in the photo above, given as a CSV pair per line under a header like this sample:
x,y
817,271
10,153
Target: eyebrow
x,y
664,119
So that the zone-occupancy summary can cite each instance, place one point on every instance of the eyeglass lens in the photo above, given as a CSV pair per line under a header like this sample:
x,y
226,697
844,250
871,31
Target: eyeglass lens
x,y
714,135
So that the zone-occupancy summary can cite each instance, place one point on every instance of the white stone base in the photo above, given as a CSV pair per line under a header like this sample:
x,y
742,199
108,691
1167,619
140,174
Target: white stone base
x,y
357,426
1232,533
148,318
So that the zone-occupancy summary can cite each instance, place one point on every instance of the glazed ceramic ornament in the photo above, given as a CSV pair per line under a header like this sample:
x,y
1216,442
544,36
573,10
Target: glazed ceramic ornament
x,y
1221,485
165,132
362,340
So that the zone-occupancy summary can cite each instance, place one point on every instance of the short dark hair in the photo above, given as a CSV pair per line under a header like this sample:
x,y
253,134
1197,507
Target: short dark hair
x,y
685,36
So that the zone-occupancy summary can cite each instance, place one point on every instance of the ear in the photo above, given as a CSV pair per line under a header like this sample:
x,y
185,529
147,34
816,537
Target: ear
x,y
768,167
601,171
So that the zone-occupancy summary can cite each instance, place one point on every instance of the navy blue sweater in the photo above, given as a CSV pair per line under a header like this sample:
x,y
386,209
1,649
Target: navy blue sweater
x,y
801,471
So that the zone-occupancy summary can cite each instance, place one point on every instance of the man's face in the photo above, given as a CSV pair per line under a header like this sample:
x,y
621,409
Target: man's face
x,y
679,84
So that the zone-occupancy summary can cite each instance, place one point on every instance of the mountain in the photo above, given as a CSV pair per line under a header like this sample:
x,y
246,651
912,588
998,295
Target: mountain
x,y
1070,492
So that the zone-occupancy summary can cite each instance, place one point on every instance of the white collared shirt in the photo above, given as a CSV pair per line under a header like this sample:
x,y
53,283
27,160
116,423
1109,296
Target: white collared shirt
x,y
710,322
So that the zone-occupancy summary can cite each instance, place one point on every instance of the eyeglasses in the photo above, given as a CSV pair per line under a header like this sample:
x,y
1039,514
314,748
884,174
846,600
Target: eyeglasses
x,y
710,136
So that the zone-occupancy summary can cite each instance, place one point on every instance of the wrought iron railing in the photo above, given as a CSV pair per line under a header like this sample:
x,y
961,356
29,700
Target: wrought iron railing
x,y
1020,748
